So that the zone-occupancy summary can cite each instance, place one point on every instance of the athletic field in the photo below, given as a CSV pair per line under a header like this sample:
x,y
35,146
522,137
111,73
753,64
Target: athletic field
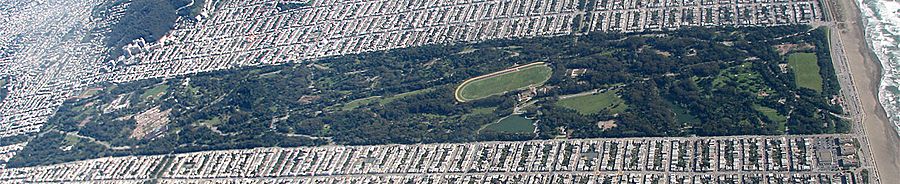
x,y
806,70
503,81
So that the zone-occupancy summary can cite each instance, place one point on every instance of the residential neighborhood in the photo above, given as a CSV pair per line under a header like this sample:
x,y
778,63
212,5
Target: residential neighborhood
x,y
763,159
55,51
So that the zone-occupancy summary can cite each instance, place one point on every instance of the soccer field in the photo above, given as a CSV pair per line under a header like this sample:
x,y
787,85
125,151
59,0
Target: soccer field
x,y
502,82
806,70
595,103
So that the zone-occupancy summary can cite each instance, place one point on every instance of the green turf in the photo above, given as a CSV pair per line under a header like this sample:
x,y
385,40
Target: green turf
x,y
379,99
388,100
71,140
359,102
155,92
193,90
506,82
211,122
682,115
742,77
513,123
772,115
483,110
806,70
595,103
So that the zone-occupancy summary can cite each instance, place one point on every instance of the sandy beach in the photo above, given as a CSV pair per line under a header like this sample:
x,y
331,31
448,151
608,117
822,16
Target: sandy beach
x,y
883,140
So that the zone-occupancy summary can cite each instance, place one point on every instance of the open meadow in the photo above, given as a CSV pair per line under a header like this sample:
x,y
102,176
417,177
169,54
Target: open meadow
x,y
595,103
806,70
502,82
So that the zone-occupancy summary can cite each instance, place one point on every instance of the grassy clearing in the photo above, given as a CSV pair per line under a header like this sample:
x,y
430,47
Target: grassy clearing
x,y
533,75
682,115
193,90
378,99
595,103
211,122
71,140
512,124
388,100
85,111
806,70
483,110
742,77
155,92
772,115
359,103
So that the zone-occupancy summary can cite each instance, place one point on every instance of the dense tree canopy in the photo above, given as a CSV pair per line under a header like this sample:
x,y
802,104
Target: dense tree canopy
x,y
698,81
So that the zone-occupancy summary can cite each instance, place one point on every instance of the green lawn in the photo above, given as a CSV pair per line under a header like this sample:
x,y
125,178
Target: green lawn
x,y
388,100
359,102
806,70
379,99
683,115
155,92
592,104
211,122
513,124
772,115
71,140
742,77
500,84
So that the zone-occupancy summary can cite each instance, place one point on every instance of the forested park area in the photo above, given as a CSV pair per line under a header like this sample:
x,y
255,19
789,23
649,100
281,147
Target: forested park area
x,y
698,81
149,20
3,90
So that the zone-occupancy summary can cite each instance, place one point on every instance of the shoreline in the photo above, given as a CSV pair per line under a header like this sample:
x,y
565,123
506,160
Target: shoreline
x,y
867,71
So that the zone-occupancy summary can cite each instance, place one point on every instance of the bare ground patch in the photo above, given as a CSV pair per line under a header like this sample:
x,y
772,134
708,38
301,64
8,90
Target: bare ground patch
x,y
149,123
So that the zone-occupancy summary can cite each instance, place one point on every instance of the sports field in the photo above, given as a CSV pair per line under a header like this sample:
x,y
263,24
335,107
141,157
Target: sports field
x,y
806,70
594,103
513,124
503,81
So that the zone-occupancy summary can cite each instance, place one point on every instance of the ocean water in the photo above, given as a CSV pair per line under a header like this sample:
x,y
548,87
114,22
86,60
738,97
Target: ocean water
x,y
882,23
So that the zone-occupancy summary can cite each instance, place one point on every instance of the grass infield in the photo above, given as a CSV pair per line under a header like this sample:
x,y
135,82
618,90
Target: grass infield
x,y
503,81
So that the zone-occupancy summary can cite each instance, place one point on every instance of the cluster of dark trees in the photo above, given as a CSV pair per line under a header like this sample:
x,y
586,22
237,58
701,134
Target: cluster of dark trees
x,y
290,5
3,93
262,106
52,147
299,104
147,19
658,83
